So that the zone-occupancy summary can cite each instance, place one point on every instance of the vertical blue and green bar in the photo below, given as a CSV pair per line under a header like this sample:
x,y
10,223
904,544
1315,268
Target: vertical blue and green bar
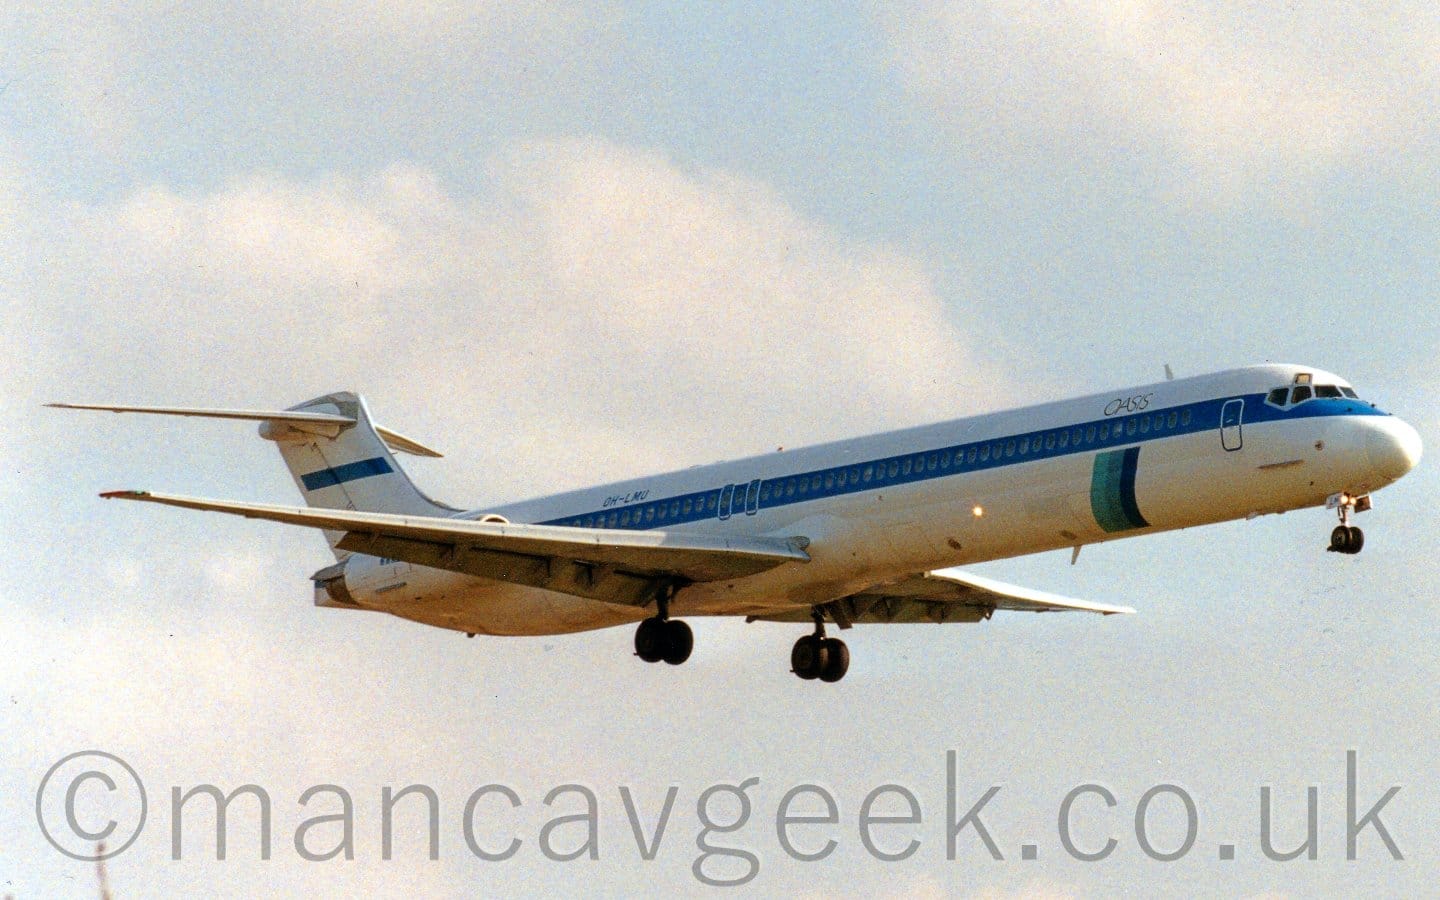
x,y
1112,490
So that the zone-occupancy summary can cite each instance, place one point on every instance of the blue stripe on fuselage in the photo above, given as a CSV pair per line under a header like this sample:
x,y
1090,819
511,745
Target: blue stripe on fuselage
x,y
939,462
348,472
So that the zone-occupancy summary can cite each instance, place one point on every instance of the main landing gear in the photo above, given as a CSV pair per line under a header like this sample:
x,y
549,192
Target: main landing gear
x,y
1347,538
661,637
813,656
816,656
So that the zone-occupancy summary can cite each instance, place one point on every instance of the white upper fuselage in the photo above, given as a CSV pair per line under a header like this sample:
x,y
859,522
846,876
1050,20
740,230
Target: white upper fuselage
x,y
1168,455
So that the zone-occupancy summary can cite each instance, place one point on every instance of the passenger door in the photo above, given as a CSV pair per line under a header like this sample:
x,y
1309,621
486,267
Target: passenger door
x,y
740,498
1230,416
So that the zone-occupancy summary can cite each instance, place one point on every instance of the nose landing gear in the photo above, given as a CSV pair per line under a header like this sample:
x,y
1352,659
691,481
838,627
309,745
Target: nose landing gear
x,y
1347,538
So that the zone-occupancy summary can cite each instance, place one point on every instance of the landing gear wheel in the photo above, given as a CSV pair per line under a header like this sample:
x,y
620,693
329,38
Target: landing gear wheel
x,y
679,641
838,661
810,656
1346,538
816,656
650,639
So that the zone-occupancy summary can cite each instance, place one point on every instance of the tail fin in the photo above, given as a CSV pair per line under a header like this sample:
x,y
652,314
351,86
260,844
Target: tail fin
x,y
339,458
349,465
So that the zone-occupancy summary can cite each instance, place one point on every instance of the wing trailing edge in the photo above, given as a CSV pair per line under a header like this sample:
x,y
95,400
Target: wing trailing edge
x,y
949,596
456,544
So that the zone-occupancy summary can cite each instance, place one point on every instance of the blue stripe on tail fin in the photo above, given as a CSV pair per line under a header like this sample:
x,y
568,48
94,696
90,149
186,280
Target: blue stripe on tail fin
x,y
347,467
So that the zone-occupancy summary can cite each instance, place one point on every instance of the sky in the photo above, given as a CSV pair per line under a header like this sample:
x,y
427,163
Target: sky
x,y
565,243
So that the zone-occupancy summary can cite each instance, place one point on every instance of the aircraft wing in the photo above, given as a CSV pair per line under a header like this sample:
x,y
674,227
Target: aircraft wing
x,y
617,566
951,597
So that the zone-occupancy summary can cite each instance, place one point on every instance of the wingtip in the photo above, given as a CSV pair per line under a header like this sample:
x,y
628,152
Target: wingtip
x,y
124,495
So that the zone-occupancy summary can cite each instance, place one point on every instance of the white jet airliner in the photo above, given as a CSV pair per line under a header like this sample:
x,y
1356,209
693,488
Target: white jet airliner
x,y
849,531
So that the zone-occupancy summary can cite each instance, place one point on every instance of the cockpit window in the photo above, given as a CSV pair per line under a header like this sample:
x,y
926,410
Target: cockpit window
x,y
1302,390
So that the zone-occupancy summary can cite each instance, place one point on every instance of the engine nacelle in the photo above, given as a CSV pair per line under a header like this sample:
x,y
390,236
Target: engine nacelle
x,y
355,582
362,581
331,589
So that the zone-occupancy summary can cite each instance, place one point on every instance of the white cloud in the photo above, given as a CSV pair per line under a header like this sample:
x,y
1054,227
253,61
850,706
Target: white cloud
x,y
600,310
1235,94
595,311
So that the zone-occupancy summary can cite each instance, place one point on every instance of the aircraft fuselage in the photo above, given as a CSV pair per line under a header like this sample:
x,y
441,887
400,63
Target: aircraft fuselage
x,y
1163,456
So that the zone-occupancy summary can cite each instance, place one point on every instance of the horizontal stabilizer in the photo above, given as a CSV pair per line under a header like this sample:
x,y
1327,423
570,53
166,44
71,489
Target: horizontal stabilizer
x,y
328,424
252,415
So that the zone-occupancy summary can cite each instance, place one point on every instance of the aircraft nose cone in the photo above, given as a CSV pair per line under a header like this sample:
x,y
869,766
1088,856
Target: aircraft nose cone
x,y
1393,448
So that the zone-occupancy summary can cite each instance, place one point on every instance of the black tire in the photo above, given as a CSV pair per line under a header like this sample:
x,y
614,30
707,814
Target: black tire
x,y
1355,541
679,641
1340,539
650,640
809,656
837,662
